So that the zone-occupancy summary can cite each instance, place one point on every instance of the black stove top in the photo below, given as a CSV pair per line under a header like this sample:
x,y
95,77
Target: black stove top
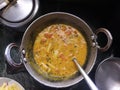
x,y
96,13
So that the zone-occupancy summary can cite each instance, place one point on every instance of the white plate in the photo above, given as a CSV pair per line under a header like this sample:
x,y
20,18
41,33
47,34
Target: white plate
x,y
9,81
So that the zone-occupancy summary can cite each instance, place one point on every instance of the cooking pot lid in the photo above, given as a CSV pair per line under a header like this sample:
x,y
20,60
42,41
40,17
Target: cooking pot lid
x,y
107,76
19,13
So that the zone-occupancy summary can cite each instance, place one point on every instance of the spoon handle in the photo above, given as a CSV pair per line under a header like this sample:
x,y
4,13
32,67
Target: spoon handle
x,y
86,77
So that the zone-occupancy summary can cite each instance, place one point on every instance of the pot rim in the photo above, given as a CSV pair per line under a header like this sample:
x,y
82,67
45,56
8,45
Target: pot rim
x,y
58,85
69,18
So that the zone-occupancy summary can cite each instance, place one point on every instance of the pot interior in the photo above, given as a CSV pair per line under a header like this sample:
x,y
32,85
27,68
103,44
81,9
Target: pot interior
x,y
45,21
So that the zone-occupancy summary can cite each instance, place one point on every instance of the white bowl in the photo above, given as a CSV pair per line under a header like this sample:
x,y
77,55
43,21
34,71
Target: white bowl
x,y
10,81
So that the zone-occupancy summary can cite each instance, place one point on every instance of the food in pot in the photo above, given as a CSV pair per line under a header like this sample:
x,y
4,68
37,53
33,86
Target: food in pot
x,y
55,47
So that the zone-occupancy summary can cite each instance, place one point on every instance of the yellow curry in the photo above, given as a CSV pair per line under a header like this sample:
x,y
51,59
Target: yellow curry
x,y
56,46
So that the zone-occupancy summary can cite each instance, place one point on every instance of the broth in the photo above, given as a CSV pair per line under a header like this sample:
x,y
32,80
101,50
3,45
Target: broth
x,y
55,47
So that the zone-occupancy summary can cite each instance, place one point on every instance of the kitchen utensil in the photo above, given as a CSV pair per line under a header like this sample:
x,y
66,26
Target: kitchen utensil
x,y
3,3
9,81
26,46
107,76
86,77
19,12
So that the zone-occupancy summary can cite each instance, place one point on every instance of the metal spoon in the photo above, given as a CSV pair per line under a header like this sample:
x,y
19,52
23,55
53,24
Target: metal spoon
x,y
87,78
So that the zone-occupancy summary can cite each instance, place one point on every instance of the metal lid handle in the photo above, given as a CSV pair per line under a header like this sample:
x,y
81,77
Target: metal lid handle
x,y
3,3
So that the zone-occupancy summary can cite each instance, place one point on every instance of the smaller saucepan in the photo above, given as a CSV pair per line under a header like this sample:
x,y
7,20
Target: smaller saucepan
x,y
58,18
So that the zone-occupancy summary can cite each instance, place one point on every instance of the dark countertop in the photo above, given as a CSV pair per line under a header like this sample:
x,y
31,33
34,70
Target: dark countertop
x,y
97,13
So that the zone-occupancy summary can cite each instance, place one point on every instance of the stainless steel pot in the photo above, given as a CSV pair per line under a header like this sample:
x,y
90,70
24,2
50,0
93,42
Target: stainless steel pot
x,y
52,18
24,12
107,76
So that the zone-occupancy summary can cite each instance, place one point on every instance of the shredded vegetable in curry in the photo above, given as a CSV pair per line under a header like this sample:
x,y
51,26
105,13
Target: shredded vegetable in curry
x,y
56,46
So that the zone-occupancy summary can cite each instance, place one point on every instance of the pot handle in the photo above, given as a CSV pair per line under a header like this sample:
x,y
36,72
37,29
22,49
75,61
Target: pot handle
x,y
109,39
13,55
